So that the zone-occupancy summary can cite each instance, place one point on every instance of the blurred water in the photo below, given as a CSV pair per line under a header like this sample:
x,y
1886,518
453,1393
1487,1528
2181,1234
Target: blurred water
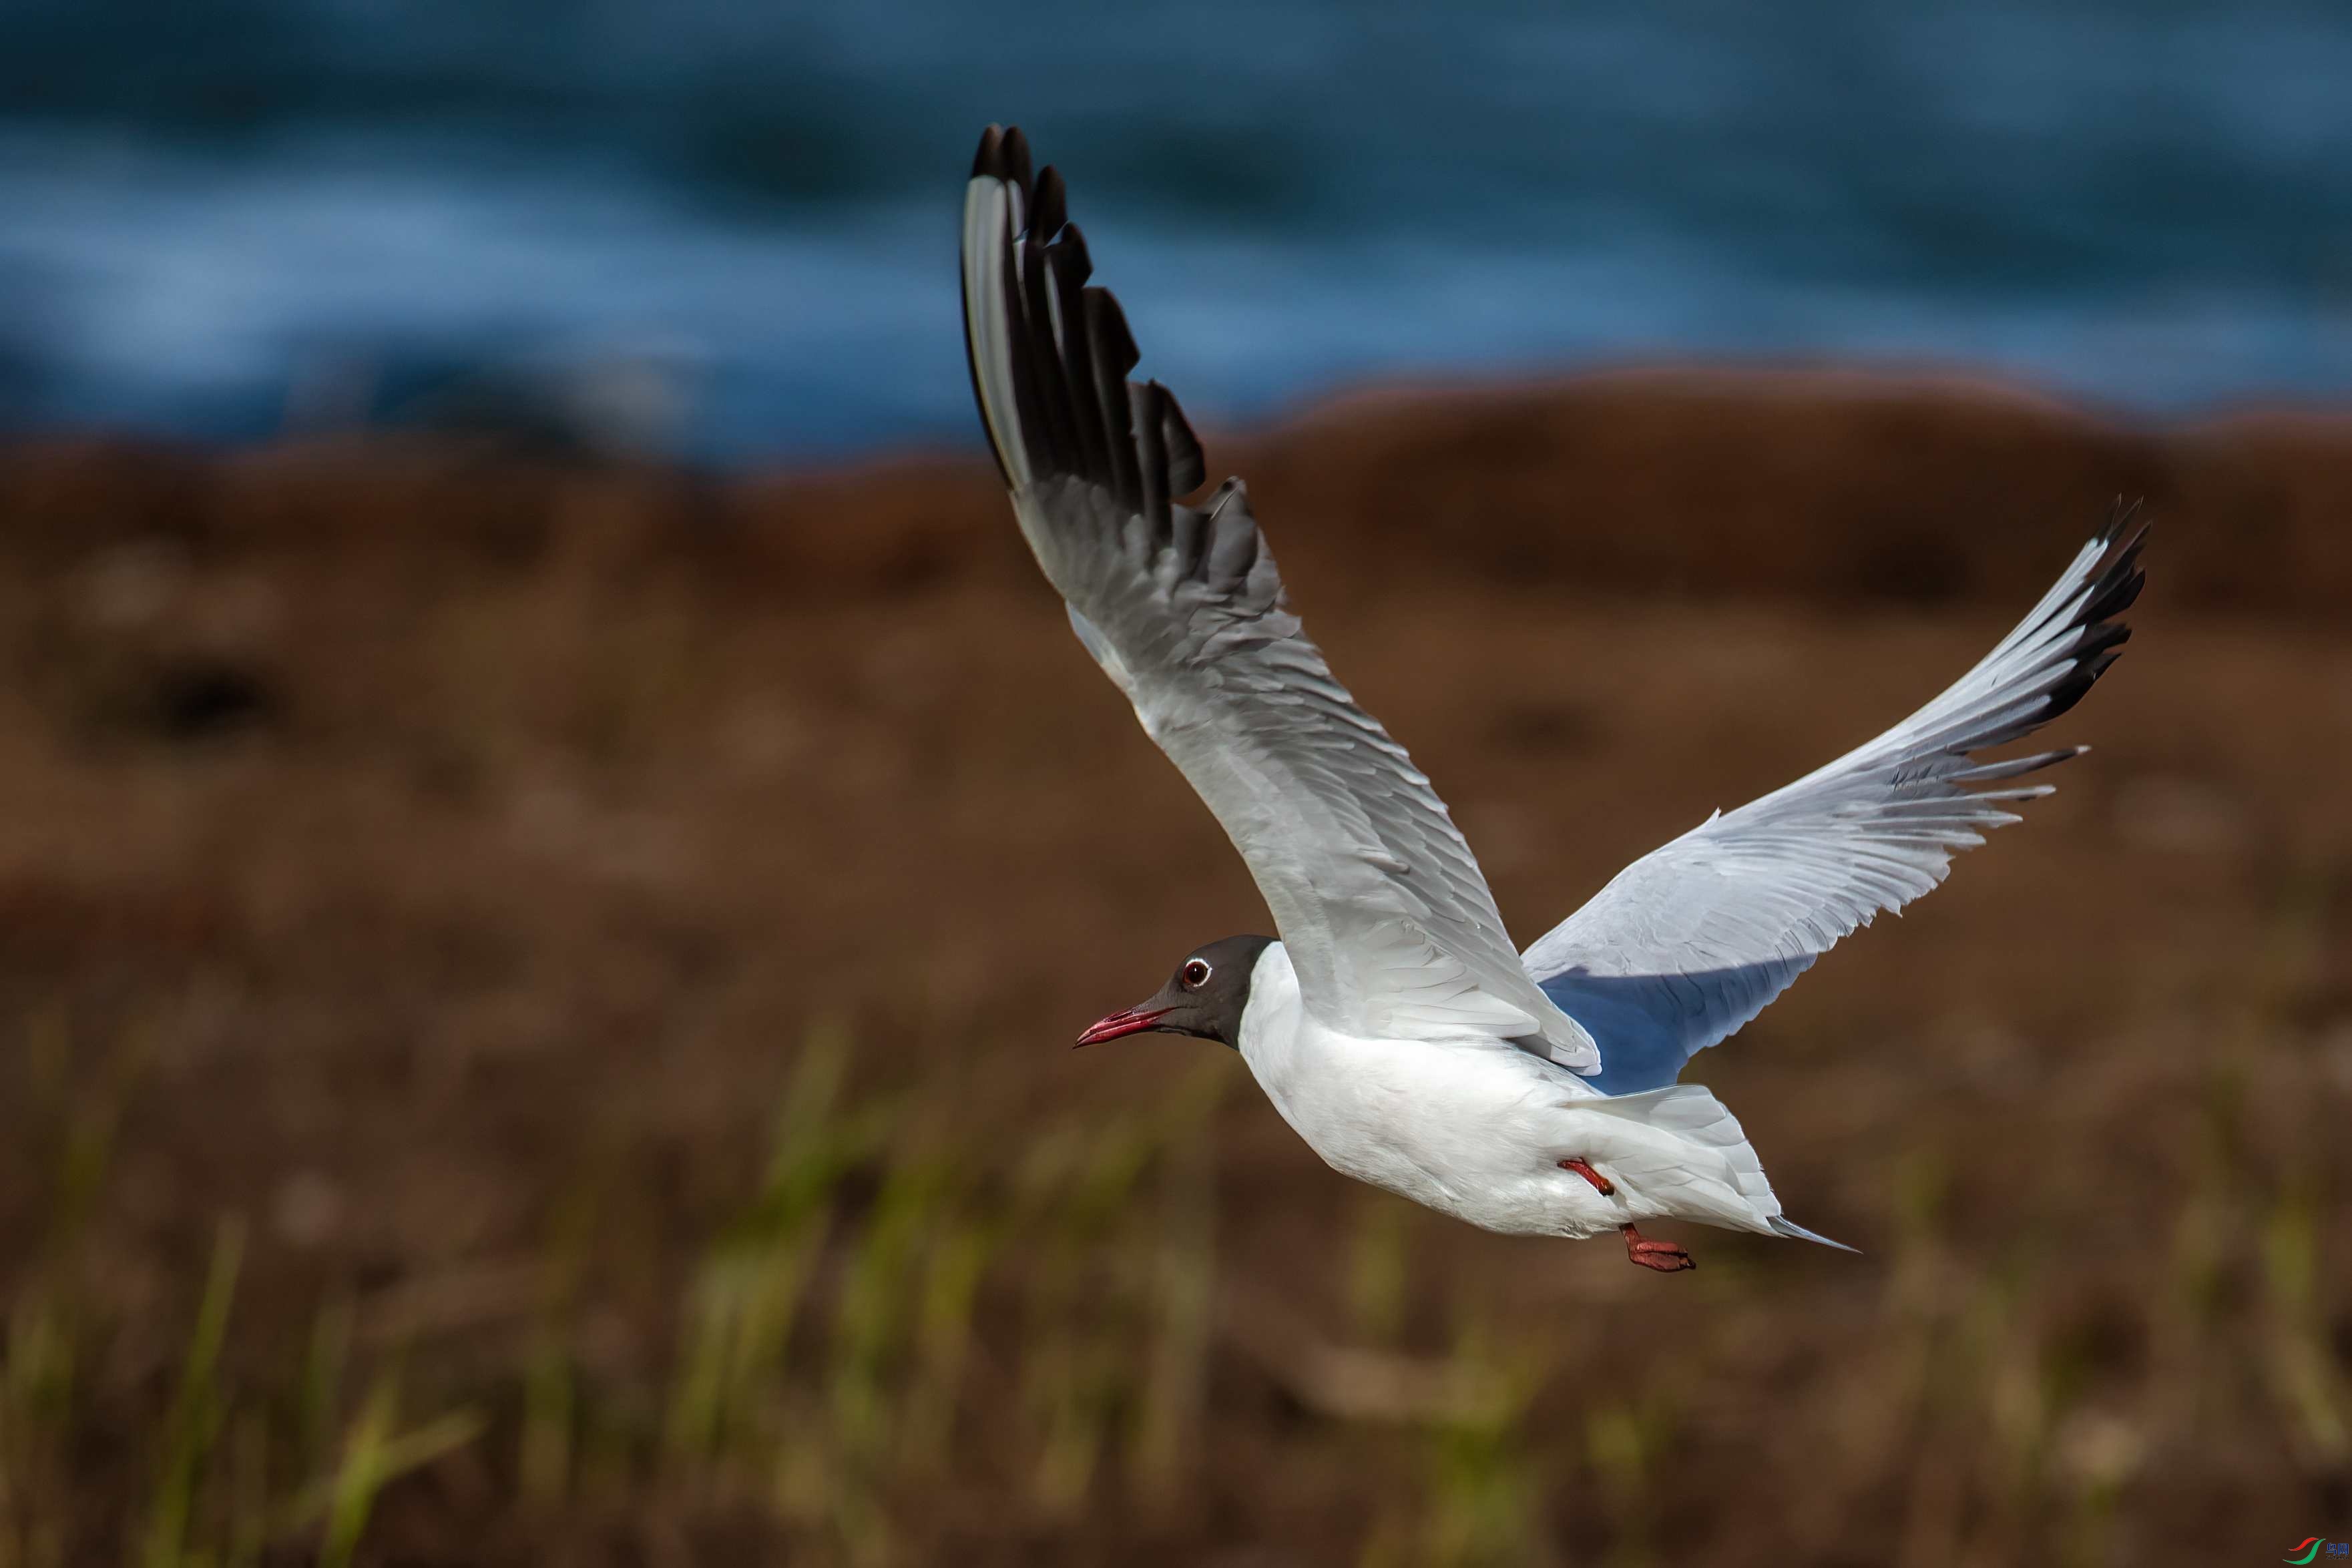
x,y
730,228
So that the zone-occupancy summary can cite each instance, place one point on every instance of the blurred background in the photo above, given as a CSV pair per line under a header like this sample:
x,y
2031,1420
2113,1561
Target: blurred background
x,y
552,839
718,227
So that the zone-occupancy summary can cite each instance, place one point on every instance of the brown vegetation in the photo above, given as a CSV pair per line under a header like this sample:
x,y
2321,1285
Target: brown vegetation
x,y
538,1000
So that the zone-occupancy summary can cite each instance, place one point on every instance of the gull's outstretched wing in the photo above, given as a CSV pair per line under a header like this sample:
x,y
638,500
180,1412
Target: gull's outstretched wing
x,y
1381,905
1693,939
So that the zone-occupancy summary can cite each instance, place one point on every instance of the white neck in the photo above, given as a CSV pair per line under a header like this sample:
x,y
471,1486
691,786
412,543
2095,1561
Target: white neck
x,y
1270,1019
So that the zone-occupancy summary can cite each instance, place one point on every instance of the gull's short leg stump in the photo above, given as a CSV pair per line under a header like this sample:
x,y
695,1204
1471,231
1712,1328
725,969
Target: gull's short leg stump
x,y
1600,1184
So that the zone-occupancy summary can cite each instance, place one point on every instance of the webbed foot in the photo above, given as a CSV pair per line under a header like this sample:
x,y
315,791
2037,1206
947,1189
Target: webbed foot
x,y
1665,1256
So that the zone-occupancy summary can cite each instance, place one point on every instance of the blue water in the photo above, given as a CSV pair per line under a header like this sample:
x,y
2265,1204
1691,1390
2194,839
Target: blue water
x,y
727,230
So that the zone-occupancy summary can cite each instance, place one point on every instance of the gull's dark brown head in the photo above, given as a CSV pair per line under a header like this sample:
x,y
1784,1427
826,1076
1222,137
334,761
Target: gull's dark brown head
x,y
1204,999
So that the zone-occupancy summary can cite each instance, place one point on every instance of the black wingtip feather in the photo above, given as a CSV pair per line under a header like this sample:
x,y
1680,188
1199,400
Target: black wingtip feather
x,y
1064,449
1151,401
1072,351
2118,586
2071,690
2098,641
1071,254
2116,589
1069,265
2111,599
1053,204
2102,636
1113,352
1107,319
2121,516
1021,354
1013,153
1188,467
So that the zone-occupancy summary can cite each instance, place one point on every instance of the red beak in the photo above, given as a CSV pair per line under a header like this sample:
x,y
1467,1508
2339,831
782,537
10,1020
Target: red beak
x,y
1134,1020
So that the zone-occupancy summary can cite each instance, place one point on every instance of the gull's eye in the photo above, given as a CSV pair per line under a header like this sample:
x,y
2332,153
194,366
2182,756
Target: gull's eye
x,y
1195,973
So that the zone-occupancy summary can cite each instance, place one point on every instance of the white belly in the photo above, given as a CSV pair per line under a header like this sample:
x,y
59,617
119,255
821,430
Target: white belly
x,y
1476,1129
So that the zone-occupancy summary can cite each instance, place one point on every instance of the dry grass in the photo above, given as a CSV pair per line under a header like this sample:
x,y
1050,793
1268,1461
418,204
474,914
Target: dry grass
x,y
530,1046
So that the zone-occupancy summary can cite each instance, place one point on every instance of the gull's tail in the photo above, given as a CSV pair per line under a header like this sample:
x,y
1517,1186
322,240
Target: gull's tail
x,y
1784,1226
1681,1154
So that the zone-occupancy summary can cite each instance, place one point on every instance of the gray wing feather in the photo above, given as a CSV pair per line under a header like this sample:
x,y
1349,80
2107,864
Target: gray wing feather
x,y
1692,940
1381,906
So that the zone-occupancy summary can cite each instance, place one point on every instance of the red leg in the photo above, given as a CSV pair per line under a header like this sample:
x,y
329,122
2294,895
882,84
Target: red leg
x,y
1600,1184
1664,1256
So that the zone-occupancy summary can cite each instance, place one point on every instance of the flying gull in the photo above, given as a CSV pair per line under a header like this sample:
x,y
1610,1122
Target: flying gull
x,y
1394,1023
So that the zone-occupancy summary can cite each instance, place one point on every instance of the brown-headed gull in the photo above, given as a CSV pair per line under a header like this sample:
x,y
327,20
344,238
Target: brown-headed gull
x,y
1394,1023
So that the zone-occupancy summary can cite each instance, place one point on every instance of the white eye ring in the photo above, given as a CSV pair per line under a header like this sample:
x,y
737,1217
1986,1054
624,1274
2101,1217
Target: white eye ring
x,y
1195,973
